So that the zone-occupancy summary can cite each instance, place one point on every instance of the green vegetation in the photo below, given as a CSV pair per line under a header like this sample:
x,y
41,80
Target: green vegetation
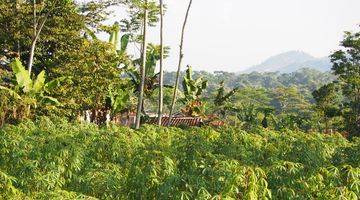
x,y
58,42
193,89
27,94
52,159
263,135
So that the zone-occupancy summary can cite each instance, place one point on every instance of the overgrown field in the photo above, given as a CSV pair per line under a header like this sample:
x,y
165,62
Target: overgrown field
x,y
54,159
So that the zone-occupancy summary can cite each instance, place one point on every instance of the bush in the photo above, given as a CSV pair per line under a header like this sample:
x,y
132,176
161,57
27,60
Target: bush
x,y
54,159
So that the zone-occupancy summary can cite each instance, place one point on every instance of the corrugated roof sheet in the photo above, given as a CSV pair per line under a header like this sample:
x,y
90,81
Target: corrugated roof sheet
x,y
179,121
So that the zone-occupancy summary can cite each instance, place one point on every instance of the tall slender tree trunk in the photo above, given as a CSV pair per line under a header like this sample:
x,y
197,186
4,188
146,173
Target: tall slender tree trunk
x,y
326,125
33,42
143,69
31,58
181,55
33,45
161,79
36,33
16,9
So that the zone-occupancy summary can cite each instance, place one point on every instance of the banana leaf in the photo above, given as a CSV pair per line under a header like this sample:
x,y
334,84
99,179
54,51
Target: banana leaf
x,y
11,92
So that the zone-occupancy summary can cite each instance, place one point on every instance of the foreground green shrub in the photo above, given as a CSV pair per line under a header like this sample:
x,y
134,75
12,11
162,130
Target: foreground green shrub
x,y
54,159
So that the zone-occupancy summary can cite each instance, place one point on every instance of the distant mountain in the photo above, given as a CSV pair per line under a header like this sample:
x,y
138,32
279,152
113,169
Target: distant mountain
x,y
290,62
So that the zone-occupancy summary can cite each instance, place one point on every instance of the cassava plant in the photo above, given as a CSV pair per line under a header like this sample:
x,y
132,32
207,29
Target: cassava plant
x,y
56,159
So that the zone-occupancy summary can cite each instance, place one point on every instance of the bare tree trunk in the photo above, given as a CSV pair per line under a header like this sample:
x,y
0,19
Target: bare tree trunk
x,y
34,18
181,55
31,58
142,71
33,41
32,51
36,33
161,79
326,125
16,9
33,45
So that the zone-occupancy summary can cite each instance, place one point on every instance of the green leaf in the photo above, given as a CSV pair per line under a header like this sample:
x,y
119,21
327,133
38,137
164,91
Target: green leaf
x,y
90,33
11,92
22,75
50,100
111,39
204,84
114,35
39,82
54,83
168,86
124,42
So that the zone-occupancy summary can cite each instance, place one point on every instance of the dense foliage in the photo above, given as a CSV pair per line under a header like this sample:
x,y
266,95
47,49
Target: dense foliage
x,y
53,159
270,146
346,66
304,78
57,40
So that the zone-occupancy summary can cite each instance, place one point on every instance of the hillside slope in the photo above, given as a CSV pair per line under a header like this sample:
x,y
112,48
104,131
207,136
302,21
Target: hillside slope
x,y
290,62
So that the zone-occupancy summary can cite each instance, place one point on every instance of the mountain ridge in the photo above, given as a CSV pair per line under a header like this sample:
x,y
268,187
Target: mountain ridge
x,y
291,61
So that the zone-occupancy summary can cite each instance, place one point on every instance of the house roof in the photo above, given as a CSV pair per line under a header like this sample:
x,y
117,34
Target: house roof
x,y
179,121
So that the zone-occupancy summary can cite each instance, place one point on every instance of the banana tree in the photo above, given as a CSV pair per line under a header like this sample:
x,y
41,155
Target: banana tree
x,y
120,44
268,115
151,77
118,99
248,115
221,101
252,116
29,94
153,55
193,89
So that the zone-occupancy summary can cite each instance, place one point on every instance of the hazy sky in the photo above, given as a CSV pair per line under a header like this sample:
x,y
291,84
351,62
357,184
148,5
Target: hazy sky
x,y
231,35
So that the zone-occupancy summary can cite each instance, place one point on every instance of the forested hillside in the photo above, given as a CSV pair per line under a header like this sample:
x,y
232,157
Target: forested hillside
x,y
291,61
305,78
